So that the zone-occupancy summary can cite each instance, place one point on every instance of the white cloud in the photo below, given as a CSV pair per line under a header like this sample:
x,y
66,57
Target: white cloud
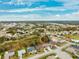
x,y
68,5
37,17
69,2
35,9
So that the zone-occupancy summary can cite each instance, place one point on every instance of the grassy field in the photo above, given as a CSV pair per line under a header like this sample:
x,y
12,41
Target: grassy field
x,y
23,43
76,37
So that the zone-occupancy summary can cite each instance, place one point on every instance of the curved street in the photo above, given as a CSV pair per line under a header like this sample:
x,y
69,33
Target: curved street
x,y
61,54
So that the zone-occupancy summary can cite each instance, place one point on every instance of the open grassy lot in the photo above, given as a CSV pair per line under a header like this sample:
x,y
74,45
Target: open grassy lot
x,y
76,37
22,43
61,44
18,44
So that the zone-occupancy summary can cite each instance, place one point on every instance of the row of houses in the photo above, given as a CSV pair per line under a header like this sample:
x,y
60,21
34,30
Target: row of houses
x,y
46,47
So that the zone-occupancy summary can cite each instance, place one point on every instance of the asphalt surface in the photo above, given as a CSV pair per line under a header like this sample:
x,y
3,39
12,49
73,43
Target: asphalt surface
x,y
61,54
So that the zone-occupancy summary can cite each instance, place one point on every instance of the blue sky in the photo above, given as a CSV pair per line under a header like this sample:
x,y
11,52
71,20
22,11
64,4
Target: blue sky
x,y
27,10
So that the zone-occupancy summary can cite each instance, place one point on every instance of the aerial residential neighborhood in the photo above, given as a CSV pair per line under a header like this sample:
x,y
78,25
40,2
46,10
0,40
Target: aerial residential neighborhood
x,y
39,40
39,29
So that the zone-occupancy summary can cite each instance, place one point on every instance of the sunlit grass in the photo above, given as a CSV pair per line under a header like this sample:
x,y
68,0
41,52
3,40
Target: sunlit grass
x,y
76,37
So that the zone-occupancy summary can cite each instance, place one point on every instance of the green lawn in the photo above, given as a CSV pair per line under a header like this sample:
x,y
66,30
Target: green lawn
x,y
73,36
61,44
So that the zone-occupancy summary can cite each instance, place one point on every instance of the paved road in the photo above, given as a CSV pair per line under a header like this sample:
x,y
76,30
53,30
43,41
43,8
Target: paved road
x,y
61,54
41,55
